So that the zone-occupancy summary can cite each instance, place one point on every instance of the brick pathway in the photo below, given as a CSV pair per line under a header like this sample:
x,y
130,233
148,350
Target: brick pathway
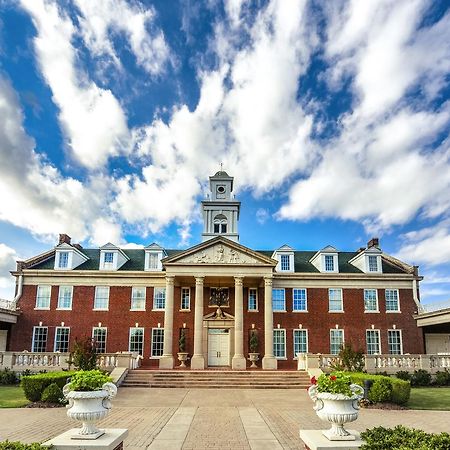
x,y
198,419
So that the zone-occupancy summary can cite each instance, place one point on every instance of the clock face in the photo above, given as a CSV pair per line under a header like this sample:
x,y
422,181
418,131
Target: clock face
x,y
221,189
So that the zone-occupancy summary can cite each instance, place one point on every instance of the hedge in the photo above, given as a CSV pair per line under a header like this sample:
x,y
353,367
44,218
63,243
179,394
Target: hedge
x,y
34,385
401,389
7,445
402,438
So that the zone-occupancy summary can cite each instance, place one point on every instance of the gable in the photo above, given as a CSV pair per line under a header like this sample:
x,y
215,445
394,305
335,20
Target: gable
x,y
220,251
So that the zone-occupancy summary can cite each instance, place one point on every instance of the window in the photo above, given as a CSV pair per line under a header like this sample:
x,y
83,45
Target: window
x,y
65,297
253,299
153,260
370,300
373,263
63,262
220,224
108,260
329,263
101,300
373,342
186,298
392,300
285,262
43,297
279,343
336,341
62,339
278,300
157,342
39,339
300,342
136,340
99,335
138,298
299,299
335,300
159,298
395,342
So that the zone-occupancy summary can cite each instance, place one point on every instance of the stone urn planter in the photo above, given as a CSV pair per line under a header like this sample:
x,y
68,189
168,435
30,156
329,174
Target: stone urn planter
x,y
337,409
253,358
182,357
89,406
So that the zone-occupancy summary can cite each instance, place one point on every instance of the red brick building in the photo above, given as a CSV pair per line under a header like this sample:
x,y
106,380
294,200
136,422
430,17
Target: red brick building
x,y
217,294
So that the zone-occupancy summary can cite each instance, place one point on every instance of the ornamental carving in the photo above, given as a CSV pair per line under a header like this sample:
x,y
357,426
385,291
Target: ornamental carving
x,y
219,254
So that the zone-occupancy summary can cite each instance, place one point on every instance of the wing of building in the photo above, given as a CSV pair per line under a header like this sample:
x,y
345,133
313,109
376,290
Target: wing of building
x,y
216,295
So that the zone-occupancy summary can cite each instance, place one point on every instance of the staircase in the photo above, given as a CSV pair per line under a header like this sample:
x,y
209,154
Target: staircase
x,y
217,379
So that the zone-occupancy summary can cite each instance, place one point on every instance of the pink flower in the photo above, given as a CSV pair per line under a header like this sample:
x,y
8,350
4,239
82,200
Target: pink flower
x,y
333,377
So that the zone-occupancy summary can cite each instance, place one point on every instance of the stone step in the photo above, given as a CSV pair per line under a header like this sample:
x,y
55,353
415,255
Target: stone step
x,y
216,386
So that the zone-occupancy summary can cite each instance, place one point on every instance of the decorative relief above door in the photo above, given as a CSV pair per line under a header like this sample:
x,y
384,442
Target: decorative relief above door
x,y
219,254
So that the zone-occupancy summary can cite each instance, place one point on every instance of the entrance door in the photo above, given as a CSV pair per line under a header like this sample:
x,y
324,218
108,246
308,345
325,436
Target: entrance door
x,y
218,347
3,337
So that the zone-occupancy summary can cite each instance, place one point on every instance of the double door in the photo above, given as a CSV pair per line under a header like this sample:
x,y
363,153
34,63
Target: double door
x,y
218,347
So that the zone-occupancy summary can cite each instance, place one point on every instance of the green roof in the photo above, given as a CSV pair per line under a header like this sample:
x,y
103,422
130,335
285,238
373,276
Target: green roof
x,y
137,261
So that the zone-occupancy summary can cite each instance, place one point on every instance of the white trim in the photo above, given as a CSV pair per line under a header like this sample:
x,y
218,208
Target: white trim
x,y
141,288
343,338
152,356
143,338
293,340
285,343
398,301
181,298
61,308
56,334
379,341
377,310
401,340
248,300
32,340
159,288
279,310
106,334
342,301
37,296
95,296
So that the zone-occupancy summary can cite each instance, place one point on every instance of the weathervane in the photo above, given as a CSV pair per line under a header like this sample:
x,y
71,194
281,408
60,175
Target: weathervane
x,y
221,167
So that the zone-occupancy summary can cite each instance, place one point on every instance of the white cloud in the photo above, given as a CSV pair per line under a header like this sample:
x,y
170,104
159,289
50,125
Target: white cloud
x,y
104,231
102,19
8,257
91,117
262,215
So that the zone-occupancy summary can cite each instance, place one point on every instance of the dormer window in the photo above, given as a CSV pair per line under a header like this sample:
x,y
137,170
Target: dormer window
x,y
285,257
153,261
285,262
368,260
329,263
153,256
63,260
112,257
68,257
373,263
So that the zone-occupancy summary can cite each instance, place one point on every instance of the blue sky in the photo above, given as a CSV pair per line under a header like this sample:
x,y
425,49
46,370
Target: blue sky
x,y
333,117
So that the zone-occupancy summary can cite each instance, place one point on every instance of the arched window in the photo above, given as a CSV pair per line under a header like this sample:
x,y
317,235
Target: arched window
x,y
220,224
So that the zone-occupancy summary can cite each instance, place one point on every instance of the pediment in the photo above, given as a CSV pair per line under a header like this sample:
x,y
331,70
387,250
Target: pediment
x,y
220,251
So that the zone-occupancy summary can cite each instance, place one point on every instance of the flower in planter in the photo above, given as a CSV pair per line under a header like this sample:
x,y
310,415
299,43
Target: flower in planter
x,y
336,383
88,380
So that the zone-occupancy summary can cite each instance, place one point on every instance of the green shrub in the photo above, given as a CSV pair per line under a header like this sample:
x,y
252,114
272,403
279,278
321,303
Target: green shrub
x,y
420,378
52,394
88,380
34,385
349,360
381,391
400,389
7,445
401,438
7,376
403,375
442,378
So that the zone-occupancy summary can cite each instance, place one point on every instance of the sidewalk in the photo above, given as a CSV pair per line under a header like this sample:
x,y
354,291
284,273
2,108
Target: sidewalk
x,y
209,419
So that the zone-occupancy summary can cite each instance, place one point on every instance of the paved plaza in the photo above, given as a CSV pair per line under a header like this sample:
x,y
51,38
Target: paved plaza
x,y
209,419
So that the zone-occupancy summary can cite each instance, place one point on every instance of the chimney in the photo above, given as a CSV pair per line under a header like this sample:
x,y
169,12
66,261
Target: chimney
x,y
64,239
374,242
78,246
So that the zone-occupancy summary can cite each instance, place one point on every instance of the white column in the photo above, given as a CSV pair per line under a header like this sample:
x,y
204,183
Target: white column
x,y
198,359
167,360
238,362
268,362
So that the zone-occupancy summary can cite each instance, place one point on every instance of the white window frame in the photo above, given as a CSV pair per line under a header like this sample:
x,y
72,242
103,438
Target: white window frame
x,y
183,297
155,291
377,309
143,339
284,299
67,261
283,332
285,263
60,298
108,265
368,344
293,300
39,287
97,341
33,341
96,298
294,332
255,309
330,300
377,263
57,329
401,341
160,343
332,331
135,298
386,301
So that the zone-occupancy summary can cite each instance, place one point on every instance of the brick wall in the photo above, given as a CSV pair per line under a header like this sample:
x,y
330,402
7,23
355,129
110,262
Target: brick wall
x,y
118,319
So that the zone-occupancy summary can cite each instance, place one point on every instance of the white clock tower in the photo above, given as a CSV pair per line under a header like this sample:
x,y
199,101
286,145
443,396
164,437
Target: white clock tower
x,y
221,212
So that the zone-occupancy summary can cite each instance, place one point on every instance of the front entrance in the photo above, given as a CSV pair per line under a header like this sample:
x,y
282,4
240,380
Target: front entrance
x,y
218,347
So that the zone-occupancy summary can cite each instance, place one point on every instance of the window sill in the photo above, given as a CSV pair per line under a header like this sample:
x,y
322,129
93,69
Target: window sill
x,y
184,310
63,309
280,358
279,311
100,309
392,312
371,312
42,308
158,309
300,310
155,357
338,312
137,309
252,310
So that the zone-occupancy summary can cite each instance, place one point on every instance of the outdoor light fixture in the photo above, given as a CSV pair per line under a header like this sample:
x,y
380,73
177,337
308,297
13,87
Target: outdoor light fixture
x,y
159,325
62,324
278,325
136,324
184,325
40,324
99,324
394,326
373,326
336,326
253,326
300,326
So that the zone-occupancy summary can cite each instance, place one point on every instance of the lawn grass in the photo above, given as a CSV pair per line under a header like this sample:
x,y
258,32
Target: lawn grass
x,y
12,397
430,398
